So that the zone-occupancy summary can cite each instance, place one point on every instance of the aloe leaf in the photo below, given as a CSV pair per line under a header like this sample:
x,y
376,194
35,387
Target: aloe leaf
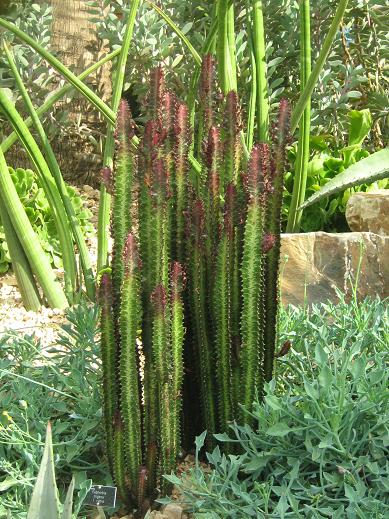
x,y
319,64
51,192
22,270
372,168
57,95
54,167
64,71
178,31
40,264
68,505
44,502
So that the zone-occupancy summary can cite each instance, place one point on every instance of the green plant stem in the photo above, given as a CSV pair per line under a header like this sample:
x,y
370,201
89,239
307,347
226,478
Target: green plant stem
x,y
55,170
301,165
259,49
226,46
56,96
22,270
64,71
39,262
109,147
253,93
319,64
51,192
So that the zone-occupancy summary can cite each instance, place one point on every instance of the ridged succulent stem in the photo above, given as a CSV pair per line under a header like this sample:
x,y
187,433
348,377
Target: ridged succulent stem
x,y
108,357
109,146
130,401
273,232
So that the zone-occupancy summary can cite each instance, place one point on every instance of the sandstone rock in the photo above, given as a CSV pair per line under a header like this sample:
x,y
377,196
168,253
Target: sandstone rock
x,y
173,511
314,265
369,212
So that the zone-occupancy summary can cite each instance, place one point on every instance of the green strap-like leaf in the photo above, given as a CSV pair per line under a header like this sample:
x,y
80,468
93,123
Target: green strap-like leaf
x,y
373,168
64,71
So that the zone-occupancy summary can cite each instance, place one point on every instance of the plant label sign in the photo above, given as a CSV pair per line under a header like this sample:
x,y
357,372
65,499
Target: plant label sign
x,y
101,496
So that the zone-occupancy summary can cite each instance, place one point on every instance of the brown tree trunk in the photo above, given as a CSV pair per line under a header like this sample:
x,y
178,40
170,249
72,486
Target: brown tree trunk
x,y
75,42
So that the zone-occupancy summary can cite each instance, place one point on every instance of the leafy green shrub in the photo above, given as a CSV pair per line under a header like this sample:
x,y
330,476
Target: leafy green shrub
x,y
61,385
327,161
320,446
33,198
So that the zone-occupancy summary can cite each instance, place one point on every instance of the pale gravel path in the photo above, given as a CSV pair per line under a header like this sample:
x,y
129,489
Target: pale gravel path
x,y
45,323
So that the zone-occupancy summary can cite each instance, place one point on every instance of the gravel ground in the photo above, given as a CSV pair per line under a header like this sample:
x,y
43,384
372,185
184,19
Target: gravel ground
x,y
45,323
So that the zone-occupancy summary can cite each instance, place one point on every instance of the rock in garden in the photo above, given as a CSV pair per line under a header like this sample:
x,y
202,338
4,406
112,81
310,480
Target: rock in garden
x,y
369,212
314,265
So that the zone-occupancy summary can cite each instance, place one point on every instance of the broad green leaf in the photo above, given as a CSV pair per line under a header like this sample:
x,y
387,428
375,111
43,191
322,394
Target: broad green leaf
x,y
273,402
360,122
44,502
373,168
279,429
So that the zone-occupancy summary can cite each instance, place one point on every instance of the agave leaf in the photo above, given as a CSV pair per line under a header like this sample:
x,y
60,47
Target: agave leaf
x,y
68,505
44,502
372,168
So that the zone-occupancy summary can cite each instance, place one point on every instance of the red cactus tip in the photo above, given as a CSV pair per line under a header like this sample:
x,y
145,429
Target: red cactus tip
x,y
130,253
107,179
159,299
177,277
269,240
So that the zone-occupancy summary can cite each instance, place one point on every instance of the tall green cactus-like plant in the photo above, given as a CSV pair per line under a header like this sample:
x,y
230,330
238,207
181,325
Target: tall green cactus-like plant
x,y
217,229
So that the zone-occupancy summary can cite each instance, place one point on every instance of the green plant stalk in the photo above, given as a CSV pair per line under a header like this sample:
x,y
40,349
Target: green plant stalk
x,y
39,262
121,214
253,92
302,159
51,192
226,46
181,166
199,289
318,67
130,402
55,170
273,232
231,46
108,357
177,339
109,146
222,309
22,270
259,49
64,71
252,320
56,96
